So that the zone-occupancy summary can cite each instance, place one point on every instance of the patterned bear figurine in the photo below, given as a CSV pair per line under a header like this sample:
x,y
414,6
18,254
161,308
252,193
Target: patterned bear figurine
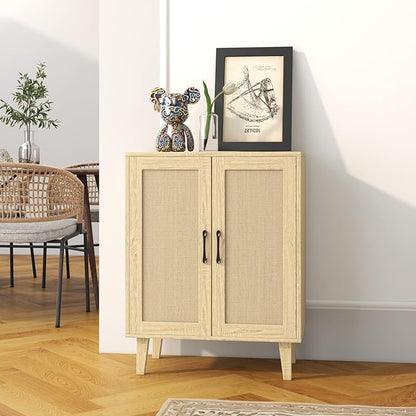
x,y
174,112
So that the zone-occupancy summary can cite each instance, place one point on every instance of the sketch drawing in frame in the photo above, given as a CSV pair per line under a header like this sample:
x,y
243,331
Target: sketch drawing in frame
x,y
258,115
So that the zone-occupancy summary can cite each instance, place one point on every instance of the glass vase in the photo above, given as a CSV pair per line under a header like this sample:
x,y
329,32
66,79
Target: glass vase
x,y
29,151
208,132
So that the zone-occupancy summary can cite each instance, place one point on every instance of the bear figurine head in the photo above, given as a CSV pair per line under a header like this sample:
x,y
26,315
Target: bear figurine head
x,y
174,107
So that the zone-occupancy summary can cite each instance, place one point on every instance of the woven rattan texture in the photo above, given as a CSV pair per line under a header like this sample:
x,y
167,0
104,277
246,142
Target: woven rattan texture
x,y
93,194
170,248
254,228
30,193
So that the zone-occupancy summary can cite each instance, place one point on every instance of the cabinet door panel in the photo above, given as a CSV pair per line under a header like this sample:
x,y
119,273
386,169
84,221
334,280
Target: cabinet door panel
x,y
254,286
166,218
170,249
253,241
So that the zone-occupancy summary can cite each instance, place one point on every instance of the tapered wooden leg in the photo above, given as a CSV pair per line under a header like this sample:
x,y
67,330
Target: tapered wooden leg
x,y
285,349
141,355
157,347
293,353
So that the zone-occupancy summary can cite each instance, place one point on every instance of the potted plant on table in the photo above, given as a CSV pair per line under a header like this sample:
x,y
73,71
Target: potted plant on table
x,y
32,109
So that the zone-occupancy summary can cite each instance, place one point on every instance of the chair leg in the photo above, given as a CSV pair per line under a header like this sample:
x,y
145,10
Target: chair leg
x,y
59,289
11,266
86,271
32,257
45,250
68,275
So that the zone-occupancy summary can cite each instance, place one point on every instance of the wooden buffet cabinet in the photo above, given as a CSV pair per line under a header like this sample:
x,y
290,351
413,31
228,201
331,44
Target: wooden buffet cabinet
x,y
215,249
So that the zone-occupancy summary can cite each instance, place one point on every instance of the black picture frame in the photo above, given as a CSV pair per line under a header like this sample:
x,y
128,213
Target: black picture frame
x,y
283,132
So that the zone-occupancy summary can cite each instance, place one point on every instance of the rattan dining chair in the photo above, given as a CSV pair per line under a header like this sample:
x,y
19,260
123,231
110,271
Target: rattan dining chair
x,y
93,187
93,198
41,204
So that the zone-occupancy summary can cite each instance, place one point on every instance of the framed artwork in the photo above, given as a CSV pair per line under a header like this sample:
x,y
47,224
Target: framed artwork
x,y
258,115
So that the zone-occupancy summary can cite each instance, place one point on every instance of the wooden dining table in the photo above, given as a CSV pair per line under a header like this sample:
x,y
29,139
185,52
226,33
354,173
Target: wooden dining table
x,y
81,174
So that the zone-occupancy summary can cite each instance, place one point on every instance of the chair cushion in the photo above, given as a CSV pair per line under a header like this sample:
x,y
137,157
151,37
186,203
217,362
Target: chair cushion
x,y
36,232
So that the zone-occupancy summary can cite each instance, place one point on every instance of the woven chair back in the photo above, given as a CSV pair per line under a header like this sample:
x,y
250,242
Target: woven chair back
x,y
34,193
93,194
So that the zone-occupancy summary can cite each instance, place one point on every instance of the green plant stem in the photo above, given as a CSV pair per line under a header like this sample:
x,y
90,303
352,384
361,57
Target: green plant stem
x,y
207,124
221,92
209,110
209,114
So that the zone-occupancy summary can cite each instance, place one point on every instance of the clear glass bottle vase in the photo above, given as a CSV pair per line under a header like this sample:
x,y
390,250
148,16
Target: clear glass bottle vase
x,y
208,132
29,151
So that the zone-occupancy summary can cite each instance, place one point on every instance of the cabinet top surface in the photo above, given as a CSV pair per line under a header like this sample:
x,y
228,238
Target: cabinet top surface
x,y
211,154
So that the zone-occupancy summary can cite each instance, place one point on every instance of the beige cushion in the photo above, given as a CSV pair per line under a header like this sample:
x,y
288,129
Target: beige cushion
x,y
36,232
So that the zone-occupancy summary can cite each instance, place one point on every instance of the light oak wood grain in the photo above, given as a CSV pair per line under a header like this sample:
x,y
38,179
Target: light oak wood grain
x,y
287,330
156,347
189,284
141,356
211,154
285,351
257,206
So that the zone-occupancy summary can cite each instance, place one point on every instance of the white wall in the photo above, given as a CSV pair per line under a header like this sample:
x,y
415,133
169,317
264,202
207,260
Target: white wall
x,y
129,69
353,112
64,34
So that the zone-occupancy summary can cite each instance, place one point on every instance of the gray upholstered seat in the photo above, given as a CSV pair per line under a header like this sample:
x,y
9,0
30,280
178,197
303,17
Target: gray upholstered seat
x,y
39,204
37,232
95,213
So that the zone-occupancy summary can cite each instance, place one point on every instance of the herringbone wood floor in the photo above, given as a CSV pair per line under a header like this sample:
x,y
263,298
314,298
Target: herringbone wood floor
x,y
48,371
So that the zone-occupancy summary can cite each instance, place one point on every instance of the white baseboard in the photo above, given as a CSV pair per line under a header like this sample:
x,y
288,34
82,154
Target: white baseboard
x,y
362,305
344,331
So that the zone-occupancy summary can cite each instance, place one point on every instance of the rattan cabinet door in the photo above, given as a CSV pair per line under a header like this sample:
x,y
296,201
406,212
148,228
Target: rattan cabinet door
x,y
254,272
168,209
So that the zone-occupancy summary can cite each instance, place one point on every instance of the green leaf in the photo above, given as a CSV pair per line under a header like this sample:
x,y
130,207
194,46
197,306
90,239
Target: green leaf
x,y
207,98
32,105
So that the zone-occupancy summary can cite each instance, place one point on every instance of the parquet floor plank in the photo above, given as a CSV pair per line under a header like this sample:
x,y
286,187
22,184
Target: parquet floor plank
x,y
399,396
48,371
20,400
5,410
101,362
247,397
50,390
77,379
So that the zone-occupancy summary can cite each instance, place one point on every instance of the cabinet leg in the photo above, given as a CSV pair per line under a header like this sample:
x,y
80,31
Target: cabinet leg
x,y
293,353
285,349
141,355
157,347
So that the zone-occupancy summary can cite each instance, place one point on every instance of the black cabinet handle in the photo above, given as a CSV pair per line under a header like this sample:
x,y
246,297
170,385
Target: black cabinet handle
x,y
204,255
218,246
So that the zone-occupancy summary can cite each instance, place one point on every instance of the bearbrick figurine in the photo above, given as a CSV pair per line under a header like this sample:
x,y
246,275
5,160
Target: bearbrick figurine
x,y
174,112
